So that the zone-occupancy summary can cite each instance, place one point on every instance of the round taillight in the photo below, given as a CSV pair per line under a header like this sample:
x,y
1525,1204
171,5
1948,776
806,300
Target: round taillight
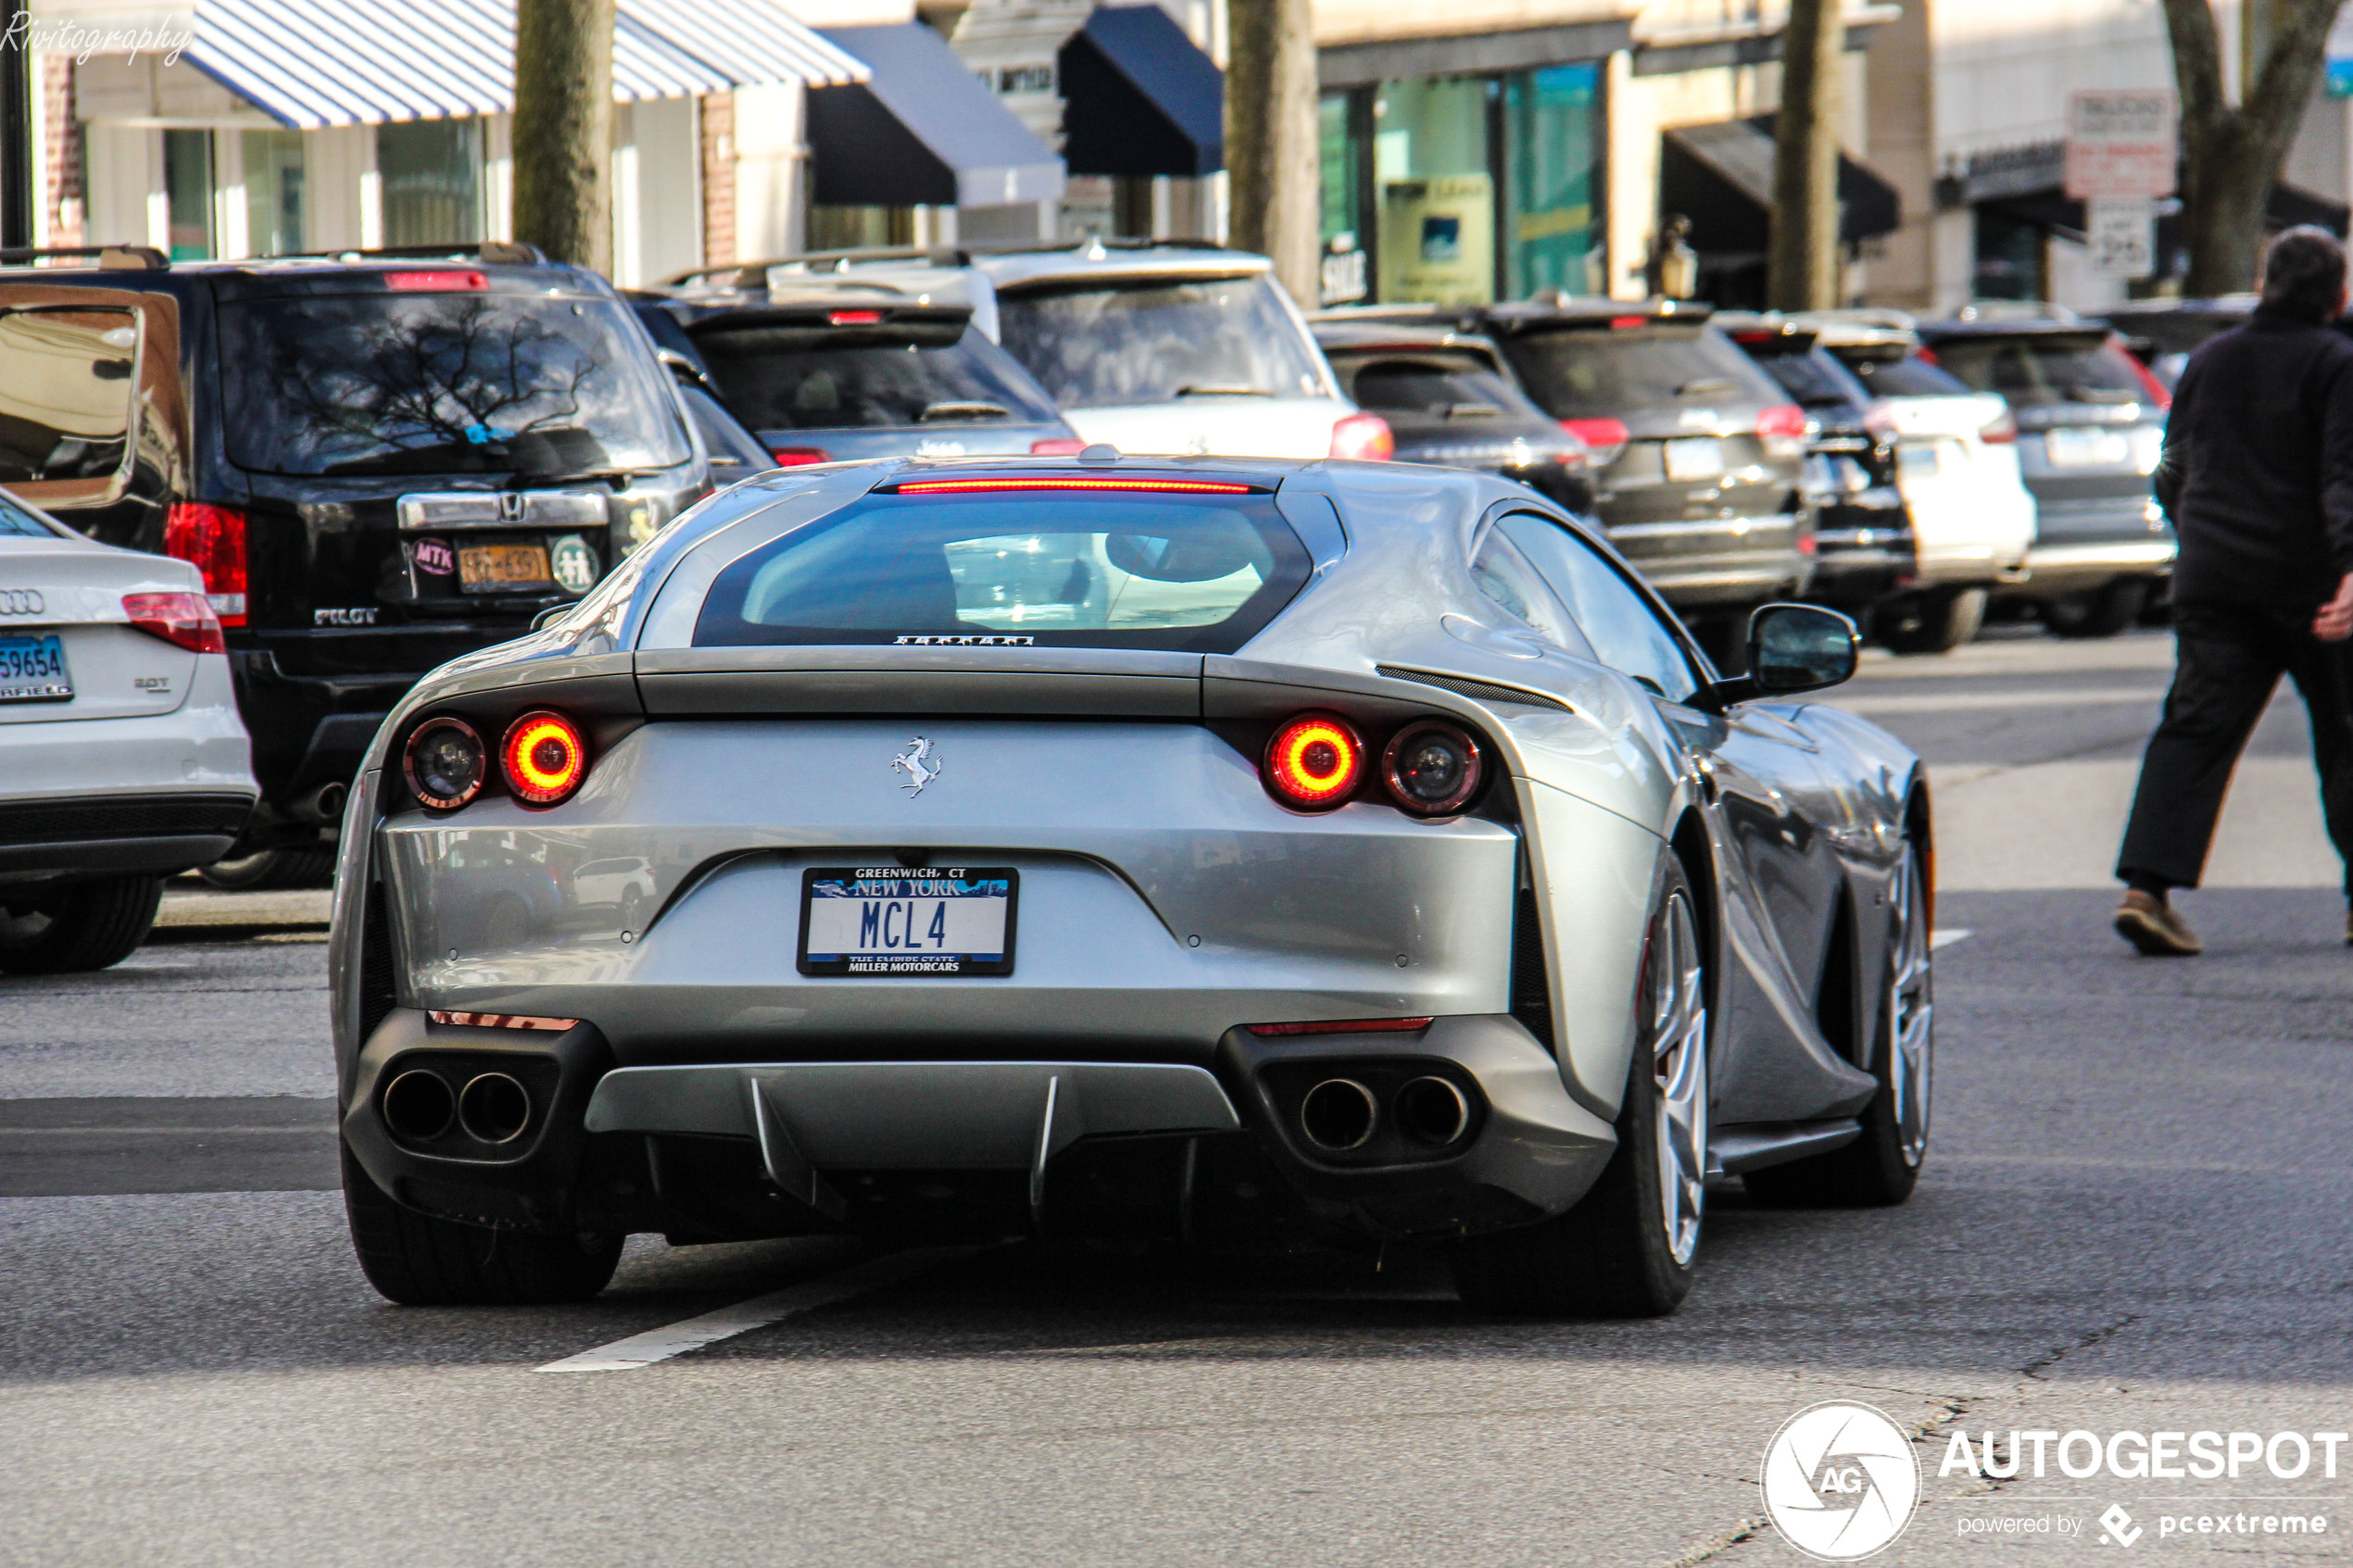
x,y
543,757
1432,768
1315,761
445,763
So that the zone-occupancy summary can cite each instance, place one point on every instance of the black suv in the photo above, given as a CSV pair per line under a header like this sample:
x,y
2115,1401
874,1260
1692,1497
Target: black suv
x,y
1450,399
379,462
1697,454
1862,530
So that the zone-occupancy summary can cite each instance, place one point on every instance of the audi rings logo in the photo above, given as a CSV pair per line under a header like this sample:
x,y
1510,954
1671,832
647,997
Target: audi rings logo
x,y
1841,1481
21,601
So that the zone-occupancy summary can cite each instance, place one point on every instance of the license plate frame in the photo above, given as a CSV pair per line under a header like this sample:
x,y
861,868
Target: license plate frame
x,y
889,941
1691,460
499,567
2086,446
24,677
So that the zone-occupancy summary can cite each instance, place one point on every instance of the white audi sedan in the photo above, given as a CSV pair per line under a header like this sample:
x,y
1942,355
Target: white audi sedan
x,y
122,758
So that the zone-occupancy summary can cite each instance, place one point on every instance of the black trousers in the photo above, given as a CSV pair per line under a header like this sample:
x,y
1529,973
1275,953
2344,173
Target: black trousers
x,y
2229,661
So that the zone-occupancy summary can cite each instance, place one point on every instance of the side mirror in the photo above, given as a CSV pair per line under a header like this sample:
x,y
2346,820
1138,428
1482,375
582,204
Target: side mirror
x,y
1793,648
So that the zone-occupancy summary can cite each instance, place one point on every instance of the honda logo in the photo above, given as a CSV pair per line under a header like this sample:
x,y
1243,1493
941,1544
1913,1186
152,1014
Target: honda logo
x,y
21,601
512,506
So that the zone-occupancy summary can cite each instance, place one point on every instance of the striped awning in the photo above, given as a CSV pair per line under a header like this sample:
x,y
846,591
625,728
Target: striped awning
x,y
315,63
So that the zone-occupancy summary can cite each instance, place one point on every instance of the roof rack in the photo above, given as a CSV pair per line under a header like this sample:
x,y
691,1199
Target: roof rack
x,y
491,253
111,258
751,274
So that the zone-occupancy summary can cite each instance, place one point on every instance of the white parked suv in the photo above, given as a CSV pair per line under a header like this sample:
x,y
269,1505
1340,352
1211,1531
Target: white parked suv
x,y
1973,520
122,760
1155,347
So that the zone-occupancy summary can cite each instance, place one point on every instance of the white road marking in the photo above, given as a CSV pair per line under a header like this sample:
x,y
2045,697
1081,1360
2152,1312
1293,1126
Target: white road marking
x,y
1949,935
661,1344
1858,701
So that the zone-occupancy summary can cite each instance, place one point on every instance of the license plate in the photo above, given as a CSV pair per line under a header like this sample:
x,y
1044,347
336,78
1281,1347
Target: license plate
x,y
496,569
2086,447
33,669
1691,457
907,920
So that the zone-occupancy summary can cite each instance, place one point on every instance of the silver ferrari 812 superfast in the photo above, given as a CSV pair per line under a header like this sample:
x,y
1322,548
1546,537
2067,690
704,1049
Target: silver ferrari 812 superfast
x,y
1220,851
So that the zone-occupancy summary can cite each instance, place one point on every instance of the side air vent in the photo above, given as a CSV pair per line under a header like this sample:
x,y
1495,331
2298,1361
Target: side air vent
x,y
1531,984
1477,691
378,992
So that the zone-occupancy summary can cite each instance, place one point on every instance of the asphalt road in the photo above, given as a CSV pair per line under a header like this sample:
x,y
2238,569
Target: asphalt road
x,y
2136,1216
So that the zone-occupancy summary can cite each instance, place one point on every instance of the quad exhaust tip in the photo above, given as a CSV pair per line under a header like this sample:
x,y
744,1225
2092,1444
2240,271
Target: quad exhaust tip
x,y
1432,1111
418,1106
1339,1114
494,1109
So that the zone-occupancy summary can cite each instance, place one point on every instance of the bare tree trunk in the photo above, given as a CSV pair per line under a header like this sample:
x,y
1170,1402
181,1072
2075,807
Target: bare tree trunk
x,y
1802,265
1274,183
2232,155
563,129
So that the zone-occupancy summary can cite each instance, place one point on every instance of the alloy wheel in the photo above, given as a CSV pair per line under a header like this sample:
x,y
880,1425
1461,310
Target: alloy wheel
x,y
1679,1045
1911,1005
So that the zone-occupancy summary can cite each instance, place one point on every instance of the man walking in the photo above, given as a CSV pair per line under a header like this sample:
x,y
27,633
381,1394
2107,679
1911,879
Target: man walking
x,y
2258,476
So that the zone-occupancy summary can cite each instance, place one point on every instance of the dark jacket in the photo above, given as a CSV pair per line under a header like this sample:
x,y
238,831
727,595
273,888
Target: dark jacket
x,y
2258,473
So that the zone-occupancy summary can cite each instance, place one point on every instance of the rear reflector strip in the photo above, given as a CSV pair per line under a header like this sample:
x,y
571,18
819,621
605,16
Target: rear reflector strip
x,y
853,318
1163,487
504,1021
1344,1027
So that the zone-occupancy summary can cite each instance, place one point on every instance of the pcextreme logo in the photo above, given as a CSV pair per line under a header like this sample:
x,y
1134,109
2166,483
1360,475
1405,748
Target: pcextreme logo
x,y
1841,1481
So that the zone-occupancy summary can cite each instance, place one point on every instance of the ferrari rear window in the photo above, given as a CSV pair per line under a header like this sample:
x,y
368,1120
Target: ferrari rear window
x,y
1194,573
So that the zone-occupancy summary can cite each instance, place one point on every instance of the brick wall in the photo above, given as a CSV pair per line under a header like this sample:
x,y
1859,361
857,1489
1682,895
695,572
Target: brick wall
x,y
65,204
718,179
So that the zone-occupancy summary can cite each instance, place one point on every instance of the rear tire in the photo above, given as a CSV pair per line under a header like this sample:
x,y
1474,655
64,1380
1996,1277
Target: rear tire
x,y
89,925
1627,1249
1881,1168
271,869
419,1261
2103,613
1937,623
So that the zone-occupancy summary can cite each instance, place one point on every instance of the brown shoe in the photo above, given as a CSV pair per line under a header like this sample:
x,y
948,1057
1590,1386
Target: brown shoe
x,y
2157,930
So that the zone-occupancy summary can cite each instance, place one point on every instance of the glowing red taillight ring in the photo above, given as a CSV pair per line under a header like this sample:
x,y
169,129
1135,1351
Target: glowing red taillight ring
x,y
1315,763
1396,759
543,757
426,779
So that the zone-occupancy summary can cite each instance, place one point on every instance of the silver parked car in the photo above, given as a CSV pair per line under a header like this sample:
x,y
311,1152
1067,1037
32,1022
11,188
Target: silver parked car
x,y
1216,850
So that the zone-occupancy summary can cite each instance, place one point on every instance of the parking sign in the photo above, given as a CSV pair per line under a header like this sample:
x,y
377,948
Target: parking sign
x,y
2121,144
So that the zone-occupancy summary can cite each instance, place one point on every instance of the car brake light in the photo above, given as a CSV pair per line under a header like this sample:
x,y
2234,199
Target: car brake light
x,y
183,619
1314,761
799,457
1058,447
853,318
981,486
211,539
436,282
1604,439
1623,323
1781,429
543,757
2001,432
1365,437
1345,1027
2149,384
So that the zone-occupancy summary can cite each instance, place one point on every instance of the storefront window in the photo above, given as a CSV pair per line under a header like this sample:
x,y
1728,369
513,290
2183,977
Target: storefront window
x,y
1344,276
187,182
2010,257
1431,169
432,175
1552,130
275,194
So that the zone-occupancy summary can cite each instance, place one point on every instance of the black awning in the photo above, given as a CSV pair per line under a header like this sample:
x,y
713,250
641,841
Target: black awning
x,y
1722,178
1139,98
922,133
2050,208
